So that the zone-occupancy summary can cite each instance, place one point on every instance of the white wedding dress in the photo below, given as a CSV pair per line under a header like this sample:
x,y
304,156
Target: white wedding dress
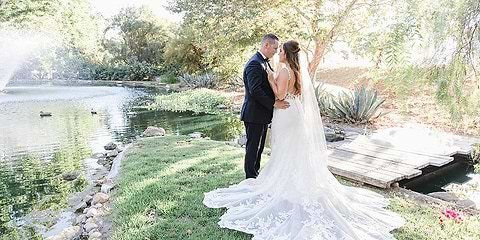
x,y
295,196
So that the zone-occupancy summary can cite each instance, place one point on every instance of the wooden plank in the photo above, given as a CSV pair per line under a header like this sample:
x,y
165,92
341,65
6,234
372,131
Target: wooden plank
x,y
435,160
371,162
377,143
416,161
359,177
385,157
366,143
379,179
387,171
390,171
377,176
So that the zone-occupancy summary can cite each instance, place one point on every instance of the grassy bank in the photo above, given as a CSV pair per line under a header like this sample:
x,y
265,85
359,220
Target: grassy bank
x,y
195,100
161,190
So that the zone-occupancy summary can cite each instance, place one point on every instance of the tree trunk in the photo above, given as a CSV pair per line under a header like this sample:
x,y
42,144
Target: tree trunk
x,y
320,47
322,43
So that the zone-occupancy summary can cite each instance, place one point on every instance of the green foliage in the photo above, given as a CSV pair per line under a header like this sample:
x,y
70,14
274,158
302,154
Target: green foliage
x,y
197,100
360,107
168,78
135,71
475,155
183,54
136,35
227,33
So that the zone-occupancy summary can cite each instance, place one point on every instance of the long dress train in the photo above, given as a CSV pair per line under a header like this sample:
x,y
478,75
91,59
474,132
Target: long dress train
x,y
295,196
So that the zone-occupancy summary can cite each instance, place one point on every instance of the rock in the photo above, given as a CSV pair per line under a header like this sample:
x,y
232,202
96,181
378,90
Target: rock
x,y
100,198
95,234
88,199
110,146
445,196
92,212
80,219
90,220
112,154
68,233
70,176
107,187
90,226
80,207
97,155
395,185
466,203
153,131
119,149
237,108
334,135
100,181
102,161
221,106
196,135
242,140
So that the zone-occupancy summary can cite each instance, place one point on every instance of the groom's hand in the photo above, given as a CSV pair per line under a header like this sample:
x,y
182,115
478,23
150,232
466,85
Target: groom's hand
x,y
281,104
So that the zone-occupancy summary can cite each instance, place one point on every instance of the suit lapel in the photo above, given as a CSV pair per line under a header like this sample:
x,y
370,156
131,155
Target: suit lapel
x,y
260,59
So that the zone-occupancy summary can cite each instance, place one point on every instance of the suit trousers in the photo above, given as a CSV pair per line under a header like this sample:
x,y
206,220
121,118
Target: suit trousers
x,y
256,134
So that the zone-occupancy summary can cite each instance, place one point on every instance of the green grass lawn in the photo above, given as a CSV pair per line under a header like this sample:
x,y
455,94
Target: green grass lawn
x,y
161,190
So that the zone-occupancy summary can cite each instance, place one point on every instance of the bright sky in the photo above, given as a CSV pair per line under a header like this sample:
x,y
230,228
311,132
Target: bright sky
x,y
111,7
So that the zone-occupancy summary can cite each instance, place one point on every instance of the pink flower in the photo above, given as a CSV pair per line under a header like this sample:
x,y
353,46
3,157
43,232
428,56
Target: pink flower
x,y
451,214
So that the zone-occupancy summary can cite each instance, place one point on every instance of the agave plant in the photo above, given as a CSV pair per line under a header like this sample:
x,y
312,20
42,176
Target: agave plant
x,y
324,99
360,107
205,80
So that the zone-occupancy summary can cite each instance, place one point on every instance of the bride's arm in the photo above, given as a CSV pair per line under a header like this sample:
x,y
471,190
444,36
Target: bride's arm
x,y
279,84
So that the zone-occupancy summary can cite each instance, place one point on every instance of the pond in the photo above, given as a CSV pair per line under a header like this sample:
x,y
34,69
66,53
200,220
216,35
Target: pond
x,y
35,151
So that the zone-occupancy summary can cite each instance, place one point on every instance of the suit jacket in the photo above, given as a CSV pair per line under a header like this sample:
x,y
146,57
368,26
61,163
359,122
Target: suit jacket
x,y
259,97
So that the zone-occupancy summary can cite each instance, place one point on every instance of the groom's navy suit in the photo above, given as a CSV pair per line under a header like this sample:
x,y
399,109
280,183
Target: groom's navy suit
x,y
257,111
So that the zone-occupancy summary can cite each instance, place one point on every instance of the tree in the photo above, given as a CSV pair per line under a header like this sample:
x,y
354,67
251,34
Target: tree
x,y
71,29
182,55
136,34
231,28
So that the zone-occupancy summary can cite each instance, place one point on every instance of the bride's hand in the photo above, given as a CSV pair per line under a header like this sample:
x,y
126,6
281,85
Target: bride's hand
x,y
270,75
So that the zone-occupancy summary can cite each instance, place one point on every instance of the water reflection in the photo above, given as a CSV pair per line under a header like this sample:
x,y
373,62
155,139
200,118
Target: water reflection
x,y
35,151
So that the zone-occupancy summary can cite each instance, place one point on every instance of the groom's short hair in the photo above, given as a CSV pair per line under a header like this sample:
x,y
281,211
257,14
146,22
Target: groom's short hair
x,y
271,38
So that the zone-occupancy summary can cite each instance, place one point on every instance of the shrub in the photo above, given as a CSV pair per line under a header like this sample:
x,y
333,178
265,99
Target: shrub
x,y
195,100
168,78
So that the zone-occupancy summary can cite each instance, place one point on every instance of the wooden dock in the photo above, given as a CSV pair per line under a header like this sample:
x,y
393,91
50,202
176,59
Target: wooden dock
x,y
380,163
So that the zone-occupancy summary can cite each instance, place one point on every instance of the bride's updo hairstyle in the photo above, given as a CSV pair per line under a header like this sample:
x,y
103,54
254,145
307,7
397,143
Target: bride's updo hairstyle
x,y
292,50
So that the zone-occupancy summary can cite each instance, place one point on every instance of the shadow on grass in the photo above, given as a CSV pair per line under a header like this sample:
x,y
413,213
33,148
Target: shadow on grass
x,y
161,192
163,182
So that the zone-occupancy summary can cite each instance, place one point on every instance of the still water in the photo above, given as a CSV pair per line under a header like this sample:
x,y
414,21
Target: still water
x,y
35,150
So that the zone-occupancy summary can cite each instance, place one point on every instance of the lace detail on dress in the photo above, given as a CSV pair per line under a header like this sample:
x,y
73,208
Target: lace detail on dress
x,y
290,95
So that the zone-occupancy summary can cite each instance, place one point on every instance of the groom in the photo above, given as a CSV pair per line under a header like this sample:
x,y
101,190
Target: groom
x,y
257,109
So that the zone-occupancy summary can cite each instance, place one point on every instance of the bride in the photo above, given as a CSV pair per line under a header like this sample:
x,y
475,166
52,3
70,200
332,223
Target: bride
x,y
295,196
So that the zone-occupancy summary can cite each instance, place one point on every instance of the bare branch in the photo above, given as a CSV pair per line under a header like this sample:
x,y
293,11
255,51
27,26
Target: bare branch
x,y
303,14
